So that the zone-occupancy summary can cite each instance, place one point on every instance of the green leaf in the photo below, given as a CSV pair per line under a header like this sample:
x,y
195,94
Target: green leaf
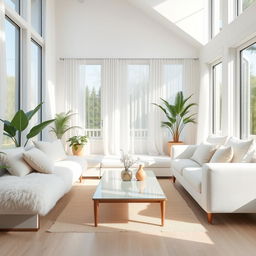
x,y
20,121
8,128
38,128
31,113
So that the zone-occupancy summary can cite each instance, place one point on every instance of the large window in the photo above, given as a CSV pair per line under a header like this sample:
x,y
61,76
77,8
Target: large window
x,y
36,15
244,4
216,16
217,98
138,80
248,90
15,4
36,76
92,76
13,71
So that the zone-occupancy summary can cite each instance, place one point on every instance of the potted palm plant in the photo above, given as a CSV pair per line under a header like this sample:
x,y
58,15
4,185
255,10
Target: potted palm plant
x,y
78,144
178,116
61,124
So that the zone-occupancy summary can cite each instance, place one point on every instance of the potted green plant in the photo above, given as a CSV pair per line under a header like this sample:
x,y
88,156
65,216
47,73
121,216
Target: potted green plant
x,y
61,124
78,144
178,116
19,124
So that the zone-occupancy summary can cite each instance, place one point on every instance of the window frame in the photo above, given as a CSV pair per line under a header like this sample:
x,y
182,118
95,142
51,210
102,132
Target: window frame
x,y
26,34
40,89
18,83
213,94
239,8
212,19
242,133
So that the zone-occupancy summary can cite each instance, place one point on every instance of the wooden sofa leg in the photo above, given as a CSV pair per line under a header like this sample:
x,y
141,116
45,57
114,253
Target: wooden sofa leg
x,y
209,217
173,179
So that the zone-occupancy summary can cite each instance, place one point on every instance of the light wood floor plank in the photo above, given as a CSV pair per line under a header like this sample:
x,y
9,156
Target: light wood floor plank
x,y
231,234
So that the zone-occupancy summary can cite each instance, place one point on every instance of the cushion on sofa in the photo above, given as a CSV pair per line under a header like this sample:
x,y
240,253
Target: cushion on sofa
x,y
13,159
216,139
53,150
38,160
223,154
204,153
188,152
240,148
179,164
194,177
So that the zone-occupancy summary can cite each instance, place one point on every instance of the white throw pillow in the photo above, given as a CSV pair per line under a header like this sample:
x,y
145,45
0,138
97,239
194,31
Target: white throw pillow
x,y
216,140
224,154
54,150
240,148
188,152
204,153
38,160
13,160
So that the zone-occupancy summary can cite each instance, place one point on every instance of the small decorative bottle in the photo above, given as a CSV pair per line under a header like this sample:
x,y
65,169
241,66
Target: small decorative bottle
x,y
140,175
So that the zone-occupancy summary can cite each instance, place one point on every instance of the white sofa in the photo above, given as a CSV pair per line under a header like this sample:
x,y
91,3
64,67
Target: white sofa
x,y
216,187
23,199
98,164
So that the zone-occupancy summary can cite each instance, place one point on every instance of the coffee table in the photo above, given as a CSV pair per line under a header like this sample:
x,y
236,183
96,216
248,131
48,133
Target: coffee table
x,y
112,189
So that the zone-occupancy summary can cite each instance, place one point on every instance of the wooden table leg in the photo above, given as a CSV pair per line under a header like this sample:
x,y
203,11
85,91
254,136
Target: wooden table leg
x,y
96,212
162,212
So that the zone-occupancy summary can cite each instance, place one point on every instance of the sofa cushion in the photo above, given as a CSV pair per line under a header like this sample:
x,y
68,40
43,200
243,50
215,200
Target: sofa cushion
x,y
194,177
204,153
240,148
179,164
224,154
217,140
53,150
155,161
188,152
13,160
38,160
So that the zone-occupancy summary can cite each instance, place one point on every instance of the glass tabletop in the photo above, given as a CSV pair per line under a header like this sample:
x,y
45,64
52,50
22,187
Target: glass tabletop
x,y
111,187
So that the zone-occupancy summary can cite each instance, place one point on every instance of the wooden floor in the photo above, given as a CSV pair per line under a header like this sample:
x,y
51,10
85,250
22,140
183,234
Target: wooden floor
x,y
231,234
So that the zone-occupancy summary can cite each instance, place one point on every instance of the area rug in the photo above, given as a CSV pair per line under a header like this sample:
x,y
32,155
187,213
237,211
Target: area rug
x,y
77,213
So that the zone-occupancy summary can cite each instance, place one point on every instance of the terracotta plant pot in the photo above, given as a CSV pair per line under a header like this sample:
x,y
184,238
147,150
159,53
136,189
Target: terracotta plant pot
x,y
78,150
172,143
140,175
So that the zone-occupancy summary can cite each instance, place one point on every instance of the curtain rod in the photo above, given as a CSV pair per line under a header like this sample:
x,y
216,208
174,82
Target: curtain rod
x,y
129,58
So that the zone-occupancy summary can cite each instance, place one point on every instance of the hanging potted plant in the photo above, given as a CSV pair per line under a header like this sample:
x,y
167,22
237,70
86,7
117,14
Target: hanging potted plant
x,y
78,144
178,116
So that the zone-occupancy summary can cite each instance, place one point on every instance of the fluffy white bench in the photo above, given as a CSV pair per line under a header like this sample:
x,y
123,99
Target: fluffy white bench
x,y
23,199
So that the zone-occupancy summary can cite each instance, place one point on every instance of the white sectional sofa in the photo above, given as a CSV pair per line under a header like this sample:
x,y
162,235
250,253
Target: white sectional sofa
x,y
24,199
217,187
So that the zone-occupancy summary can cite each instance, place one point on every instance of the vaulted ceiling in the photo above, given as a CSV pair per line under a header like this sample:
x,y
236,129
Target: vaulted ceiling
x,y
187,18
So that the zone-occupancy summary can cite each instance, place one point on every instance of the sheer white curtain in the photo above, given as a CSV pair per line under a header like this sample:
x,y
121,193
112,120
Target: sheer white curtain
x,y
129,87
74,94
2,67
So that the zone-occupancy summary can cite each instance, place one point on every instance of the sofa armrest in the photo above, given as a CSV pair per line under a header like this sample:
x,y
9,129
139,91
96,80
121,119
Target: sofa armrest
x,y
229,187
182,151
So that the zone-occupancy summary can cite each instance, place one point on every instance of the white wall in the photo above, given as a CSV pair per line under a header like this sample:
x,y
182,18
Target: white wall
x,y
224,46
113,29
